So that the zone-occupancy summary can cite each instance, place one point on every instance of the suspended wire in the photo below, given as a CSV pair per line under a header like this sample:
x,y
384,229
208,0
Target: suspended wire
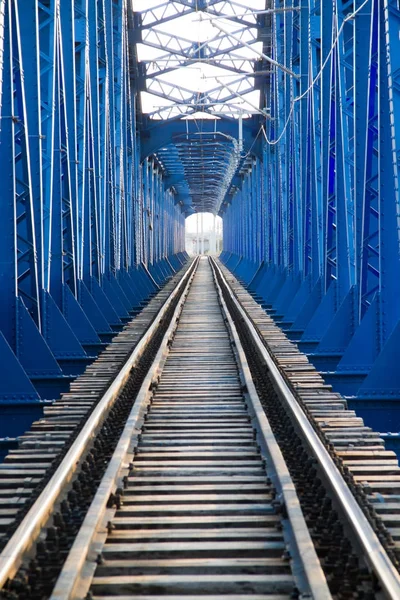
x,y
316,78
254,142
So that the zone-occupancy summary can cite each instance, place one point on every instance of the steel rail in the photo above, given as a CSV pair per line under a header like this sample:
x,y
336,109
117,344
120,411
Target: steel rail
x,y
33,522
302,547
373,551
71,576
74,580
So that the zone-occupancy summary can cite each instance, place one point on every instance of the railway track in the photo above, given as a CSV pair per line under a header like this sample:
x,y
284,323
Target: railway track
x,y
184,488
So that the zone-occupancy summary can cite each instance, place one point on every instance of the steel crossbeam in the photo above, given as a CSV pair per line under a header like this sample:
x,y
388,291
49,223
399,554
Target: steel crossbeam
x,y
167,57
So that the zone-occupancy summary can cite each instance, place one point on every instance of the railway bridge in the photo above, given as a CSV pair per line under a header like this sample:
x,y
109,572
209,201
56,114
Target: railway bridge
x,y
199,427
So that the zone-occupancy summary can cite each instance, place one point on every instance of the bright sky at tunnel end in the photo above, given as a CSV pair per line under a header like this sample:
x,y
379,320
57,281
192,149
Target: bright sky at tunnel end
x,y
193,67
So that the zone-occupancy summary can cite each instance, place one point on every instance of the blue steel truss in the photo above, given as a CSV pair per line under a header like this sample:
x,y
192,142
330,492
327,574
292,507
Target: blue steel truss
x,y
314,230
88,230
95,191
200,157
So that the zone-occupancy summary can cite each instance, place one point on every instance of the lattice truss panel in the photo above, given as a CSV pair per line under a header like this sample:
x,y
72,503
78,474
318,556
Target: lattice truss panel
x,y
201,59
327,227
78,209
198,55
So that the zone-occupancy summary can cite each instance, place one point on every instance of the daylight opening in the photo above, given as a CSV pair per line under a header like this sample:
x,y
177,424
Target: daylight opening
x,y
203,234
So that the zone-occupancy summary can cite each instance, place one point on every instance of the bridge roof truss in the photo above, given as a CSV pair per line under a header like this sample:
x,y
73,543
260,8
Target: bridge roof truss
x,y
200,61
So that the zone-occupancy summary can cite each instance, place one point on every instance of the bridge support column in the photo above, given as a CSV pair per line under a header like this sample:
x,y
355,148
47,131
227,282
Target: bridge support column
x,y
202,233
197,235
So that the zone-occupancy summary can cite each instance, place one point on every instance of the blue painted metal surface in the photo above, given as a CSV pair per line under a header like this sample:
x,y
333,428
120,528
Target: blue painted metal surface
x,y
199,156
321,249
87,231
94,192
